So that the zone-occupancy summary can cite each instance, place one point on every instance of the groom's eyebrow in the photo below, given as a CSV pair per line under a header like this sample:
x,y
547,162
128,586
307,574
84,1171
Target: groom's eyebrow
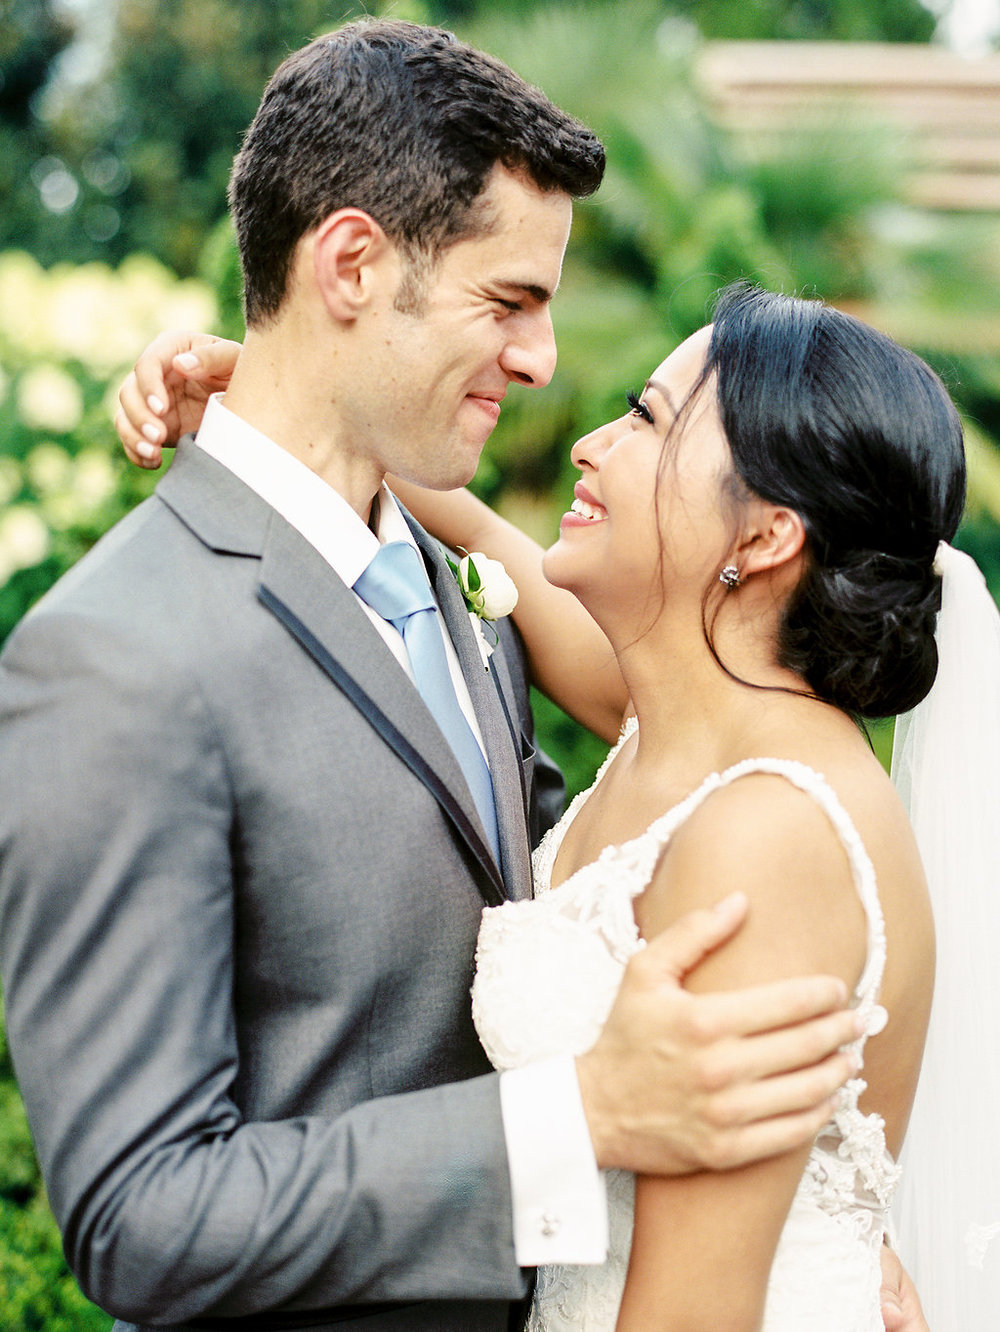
x,y
541,295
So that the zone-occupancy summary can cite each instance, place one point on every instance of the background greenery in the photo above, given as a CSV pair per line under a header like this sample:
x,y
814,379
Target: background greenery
x,y
113,178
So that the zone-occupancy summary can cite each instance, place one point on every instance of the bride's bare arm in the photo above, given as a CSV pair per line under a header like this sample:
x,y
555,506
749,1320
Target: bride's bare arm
x,y
704,1243
164,396
571,660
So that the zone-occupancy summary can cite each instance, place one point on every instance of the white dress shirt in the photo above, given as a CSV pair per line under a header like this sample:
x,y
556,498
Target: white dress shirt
x,y
560,1211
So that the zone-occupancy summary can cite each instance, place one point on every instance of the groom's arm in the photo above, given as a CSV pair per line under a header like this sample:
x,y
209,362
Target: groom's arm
x,y
117,910
118,915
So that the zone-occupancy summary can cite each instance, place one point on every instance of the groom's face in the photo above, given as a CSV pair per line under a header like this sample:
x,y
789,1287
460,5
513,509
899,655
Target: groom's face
x,y
442,365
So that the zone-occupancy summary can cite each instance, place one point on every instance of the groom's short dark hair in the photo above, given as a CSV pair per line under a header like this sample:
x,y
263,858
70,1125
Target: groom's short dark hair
x,y
404,122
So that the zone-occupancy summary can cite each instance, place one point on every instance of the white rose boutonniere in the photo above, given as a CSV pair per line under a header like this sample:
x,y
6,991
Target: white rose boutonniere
x,y
486,585
489,593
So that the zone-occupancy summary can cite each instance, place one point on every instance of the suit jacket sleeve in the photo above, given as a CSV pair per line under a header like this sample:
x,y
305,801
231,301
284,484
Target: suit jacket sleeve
x,y
117,909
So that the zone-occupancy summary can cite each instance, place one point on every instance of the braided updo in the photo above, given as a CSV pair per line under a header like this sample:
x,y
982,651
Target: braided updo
x,y
834,420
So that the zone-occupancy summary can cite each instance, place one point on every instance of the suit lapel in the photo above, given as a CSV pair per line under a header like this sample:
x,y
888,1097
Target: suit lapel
x,y
314,605
501,736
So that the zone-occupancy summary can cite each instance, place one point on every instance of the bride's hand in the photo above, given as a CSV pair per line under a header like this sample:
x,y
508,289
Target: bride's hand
x,y
164,395
680,1082
901,1311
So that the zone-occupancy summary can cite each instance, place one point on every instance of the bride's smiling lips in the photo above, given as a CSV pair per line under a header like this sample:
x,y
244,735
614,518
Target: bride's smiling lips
x,y
585,510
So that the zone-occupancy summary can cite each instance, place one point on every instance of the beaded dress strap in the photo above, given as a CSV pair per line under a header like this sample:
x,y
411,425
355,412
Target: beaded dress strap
x,y
813,784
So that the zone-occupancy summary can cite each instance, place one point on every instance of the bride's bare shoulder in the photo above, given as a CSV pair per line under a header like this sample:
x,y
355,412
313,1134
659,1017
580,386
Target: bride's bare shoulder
x,y
769,833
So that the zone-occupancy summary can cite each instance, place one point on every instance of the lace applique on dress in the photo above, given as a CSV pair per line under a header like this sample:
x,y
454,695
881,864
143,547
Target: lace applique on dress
x,y
547,974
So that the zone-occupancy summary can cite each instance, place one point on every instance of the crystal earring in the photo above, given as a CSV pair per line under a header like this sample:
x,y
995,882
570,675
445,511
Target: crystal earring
x,y
730,577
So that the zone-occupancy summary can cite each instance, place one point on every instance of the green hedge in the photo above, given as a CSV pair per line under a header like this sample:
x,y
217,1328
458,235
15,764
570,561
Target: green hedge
x,y
37,1291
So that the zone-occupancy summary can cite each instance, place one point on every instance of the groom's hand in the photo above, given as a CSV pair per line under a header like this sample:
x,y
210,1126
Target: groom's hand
x,y
679,1082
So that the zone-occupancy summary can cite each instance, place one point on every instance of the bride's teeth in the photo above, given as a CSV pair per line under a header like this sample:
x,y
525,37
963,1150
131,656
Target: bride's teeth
x,y
586,510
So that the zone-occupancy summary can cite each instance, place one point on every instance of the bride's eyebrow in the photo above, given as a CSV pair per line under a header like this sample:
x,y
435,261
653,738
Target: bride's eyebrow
x,y
663,392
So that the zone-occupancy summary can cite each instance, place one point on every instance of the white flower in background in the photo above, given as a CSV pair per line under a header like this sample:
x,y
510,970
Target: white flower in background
x,y
93,477
10,480
92,313
83,303
49,399
24,540
49,468
488,588
189,304
23,304
61,510
71,489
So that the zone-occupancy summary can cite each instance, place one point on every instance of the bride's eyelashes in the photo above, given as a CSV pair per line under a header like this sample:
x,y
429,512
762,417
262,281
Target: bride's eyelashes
x,y
638,407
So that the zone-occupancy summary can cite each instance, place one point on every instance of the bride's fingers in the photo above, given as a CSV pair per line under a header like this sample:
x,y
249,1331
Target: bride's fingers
x,y
209,359
154,364
140,431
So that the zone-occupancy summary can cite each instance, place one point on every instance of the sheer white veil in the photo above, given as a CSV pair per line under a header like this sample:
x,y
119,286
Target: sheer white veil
x,y
946,767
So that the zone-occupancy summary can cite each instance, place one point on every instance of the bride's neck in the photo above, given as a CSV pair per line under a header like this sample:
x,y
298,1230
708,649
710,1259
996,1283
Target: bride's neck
x,y
686,703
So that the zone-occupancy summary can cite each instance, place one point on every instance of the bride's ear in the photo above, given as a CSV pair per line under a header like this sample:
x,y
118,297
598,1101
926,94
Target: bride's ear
x,y
773,539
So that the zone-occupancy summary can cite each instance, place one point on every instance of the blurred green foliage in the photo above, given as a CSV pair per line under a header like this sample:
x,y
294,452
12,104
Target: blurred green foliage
x,y
37,1292
114,227
64,331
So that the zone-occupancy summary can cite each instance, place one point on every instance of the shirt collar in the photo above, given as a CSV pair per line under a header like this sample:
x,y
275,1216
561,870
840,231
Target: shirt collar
x,y
308,503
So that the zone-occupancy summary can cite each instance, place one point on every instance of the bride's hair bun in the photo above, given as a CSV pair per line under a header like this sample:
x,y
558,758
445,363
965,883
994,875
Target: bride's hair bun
x,y
862,634
858,436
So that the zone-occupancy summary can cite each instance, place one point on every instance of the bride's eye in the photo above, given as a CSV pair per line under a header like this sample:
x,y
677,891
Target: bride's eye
x,y
638,407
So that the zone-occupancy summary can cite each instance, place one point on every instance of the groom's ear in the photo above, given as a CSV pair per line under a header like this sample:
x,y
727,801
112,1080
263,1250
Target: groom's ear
x,y
354,263
773,540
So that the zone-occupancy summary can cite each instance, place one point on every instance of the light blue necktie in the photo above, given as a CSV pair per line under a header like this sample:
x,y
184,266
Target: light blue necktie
x,y
395,585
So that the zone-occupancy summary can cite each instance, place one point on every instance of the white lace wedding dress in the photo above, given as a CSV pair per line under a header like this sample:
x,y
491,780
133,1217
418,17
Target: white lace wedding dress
x,y
547,974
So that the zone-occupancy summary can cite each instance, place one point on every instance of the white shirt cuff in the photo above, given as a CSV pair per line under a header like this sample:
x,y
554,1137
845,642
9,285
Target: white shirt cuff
x,y
560,1205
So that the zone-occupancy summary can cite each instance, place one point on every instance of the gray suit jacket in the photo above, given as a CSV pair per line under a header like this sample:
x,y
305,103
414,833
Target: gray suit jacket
x,y
240,883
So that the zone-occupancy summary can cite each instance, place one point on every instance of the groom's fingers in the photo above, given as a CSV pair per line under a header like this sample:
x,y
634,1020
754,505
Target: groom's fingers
x,y
764,1138
805,1009
679,949
675,952
802,1091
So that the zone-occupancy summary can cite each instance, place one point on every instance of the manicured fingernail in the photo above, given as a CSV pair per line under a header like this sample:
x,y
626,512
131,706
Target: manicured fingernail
x,y
145,450
155,405
860,1024
152,432
733,900
187,360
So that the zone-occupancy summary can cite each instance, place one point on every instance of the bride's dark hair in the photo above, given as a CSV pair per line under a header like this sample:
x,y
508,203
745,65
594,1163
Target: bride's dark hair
x,y
827,416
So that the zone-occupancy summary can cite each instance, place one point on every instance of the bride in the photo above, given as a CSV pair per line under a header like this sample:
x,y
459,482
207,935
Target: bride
x,y
756,536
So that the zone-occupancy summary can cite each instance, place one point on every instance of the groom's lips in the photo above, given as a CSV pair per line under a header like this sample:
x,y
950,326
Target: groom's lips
x,y
489,403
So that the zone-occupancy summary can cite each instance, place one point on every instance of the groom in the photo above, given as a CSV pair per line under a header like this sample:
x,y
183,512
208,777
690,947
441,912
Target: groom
x,y
241,867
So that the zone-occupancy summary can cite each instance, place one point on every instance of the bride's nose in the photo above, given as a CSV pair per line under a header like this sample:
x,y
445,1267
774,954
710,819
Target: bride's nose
x,y
589,451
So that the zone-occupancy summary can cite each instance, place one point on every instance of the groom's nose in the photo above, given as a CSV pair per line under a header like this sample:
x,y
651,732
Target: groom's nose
x,y
529,354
